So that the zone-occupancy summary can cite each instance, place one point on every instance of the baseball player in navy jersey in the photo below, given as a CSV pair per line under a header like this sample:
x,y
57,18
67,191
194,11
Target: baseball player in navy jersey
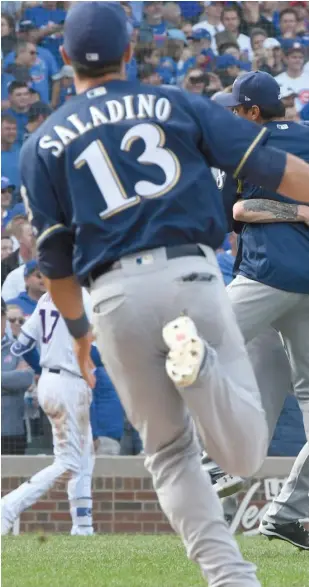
x,y
272,259
65,398
130,206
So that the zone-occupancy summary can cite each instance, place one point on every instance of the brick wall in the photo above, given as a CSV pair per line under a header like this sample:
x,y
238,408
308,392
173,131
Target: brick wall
x,y
119,505
123,497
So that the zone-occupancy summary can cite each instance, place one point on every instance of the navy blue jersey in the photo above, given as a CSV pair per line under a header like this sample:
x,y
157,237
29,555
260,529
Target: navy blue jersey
x,y
277,254
126,167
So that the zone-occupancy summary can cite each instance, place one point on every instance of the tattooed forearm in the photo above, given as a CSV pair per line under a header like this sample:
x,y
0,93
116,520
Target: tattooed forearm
x,y
276,210
259,210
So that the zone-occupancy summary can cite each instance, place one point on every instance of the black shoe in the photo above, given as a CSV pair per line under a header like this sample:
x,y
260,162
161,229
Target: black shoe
x,y
223,484
294,533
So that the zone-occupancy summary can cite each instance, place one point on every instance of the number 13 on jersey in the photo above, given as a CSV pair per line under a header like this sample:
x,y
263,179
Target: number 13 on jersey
x,y
107,180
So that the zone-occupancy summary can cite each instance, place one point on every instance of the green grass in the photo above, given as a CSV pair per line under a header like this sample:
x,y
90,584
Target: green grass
x,y
134,561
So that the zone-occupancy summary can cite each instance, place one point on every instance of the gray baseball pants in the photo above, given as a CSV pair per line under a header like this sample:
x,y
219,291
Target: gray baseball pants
x,y
131,305
261,313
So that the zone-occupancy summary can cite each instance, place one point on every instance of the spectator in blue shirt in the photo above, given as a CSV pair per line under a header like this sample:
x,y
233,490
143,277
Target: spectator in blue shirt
x,y
34,284
45,66
48,19
19,99
10,149
18,70
106,415
153,21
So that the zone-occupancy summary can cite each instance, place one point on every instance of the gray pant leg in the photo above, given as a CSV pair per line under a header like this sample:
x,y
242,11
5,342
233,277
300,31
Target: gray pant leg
x,y
129,313
252,303
273,373
294,327
292,504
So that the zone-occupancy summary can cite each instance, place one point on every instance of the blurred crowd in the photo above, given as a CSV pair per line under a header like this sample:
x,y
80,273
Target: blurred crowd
x,y
199,46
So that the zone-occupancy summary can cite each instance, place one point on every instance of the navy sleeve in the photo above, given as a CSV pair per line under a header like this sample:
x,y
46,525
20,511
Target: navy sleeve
x,y
95,356
33,359
46,214
236,145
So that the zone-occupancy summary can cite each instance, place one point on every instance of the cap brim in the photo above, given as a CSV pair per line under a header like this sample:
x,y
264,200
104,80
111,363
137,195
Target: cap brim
x,y
227,100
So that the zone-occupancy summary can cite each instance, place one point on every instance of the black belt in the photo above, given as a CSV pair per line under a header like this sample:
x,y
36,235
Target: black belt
x,y
58,371
171,253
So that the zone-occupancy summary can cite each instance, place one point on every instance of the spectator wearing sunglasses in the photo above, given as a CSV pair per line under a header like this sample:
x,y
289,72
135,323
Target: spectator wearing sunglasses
x,y
20,69
34,284
15,319
16,378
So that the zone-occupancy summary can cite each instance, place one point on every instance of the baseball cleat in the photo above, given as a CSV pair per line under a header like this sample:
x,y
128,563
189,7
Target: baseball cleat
x,y
187,351
294,533
223,484
6,524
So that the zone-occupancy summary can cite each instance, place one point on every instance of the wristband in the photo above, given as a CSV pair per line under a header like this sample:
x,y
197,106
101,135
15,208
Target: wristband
x,y
79,327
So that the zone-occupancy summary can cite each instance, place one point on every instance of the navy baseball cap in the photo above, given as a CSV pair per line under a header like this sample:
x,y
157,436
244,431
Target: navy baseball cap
x,y
96,33
256,88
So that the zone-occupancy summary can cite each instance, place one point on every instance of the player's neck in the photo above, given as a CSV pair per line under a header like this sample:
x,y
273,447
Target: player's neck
x,y
83,85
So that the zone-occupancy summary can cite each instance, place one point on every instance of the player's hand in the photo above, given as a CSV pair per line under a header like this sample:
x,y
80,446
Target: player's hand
x,y
82,347
303,213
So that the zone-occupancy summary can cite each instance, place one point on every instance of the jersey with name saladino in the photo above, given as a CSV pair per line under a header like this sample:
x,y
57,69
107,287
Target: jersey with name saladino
x,y
47,330
126,167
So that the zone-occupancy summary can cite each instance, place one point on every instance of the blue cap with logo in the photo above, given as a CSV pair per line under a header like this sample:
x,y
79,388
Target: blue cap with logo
x,y
256,88
96,33
200,34
30,267
6,183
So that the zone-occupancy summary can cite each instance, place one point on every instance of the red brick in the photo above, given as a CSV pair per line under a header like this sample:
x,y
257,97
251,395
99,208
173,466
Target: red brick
x,y
28,516
43,506
127,527
148,527
150,516
42,517
145,496
100,517
102,495
62,516
58,495
164,527
109,483
132,483
124,496
124,516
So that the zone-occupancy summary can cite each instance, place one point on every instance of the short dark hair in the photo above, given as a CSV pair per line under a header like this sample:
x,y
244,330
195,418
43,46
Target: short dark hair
x,y
226,46
16,86
143,50
231,8
269,112
288,11
8,118
84,71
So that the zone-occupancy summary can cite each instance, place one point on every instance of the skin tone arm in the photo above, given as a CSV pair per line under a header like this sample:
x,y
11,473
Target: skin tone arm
x,y
67,296
260,210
